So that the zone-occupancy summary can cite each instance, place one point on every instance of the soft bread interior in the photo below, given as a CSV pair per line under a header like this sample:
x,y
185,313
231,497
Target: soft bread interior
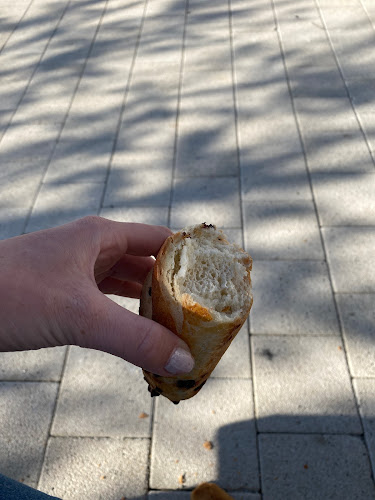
x,y
213,272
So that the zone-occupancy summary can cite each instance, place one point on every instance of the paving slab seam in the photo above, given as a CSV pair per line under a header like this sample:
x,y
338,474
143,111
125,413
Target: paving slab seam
x,y
124,102
340,326
68,110
337,60
34,71
367,13
53,416
16,26
178,111
311,186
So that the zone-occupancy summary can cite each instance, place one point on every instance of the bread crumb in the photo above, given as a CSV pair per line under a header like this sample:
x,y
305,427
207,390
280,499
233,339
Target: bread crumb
x,y
103,477
305,466
143,415
182,479
208,445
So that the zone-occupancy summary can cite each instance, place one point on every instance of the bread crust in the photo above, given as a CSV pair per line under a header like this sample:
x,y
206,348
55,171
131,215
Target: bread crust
x,y
208,334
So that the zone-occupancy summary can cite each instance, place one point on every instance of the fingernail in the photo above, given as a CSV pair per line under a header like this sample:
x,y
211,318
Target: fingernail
x,y
180,361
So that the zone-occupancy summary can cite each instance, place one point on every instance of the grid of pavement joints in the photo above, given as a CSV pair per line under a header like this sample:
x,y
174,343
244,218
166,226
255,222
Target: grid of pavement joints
x,y
260,117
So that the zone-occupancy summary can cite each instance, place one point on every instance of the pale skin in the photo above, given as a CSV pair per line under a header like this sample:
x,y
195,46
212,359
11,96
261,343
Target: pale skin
x,y
53,287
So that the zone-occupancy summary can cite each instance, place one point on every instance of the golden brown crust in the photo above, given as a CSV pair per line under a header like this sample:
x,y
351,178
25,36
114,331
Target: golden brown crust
x,y
207,338
209,491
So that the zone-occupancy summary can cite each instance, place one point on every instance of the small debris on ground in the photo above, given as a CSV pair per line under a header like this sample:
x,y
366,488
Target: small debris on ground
x,y
208,445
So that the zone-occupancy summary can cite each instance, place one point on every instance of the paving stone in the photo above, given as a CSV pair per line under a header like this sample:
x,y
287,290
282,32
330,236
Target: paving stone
x,y
251,17
76,161
213,200
320,116
292,298
357,62
101,395
142,215
26,410
40,365
19,182
280,177
185,495
222,414
161,41
37,141
345,199
318,466
364,388
236,361
282,230
357,316
126,302
12,221
139,186
338,152
349,253
61,203
206,145
166,8
302,384
207,53
76,468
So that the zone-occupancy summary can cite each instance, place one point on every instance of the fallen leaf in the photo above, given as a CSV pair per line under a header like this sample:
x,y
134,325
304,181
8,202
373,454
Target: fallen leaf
x,y
208,445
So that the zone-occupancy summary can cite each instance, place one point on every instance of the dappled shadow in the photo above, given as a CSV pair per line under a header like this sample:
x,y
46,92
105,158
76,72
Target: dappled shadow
x,y
239,116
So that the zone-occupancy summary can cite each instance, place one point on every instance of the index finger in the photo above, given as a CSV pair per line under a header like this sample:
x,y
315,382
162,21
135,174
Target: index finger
x,y
136,239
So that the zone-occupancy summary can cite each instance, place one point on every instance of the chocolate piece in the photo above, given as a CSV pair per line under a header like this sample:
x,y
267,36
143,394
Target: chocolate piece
x,y
185,384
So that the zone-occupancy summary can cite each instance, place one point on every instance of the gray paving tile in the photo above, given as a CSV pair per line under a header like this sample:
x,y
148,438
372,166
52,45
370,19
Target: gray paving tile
x,y
292,297
147,125
161,41
80,160
37,141
364,389
309,467
251,17
338,152
12,221
280,177
61,203
345,200
101,395
236,361
98,468
166,8
24,433
211,199
19,182
298,390
357,316
321,115
362,93
221,413
141,215
282,230
139,186
349,252
355,62
40,365
206,145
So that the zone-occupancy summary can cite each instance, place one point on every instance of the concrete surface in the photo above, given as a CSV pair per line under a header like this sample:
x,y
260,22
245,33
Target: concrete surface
x,y
258,116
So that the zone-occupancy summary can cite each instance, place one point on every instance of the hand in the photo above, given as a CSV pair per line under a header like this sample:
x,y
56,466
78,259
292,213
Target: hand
x,y
52,286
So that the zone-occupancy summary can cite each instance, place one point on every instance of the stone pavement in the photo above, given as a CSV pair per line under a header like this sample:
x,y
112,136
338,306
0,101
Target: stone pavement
x,y
255,115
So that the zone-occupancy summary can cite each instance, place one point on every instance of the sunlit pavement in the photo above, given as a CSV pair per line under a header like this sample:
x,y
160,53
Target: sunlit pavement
x,y
259,117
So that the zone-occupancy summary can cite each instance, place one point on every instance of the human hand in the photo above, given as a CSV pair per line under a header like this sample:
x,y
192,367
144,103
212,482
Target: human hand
x,y
52,286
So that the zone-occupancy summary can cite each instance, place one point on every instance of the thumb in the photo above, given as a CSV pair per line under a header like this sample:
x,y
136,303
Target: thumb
x,y
136,339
